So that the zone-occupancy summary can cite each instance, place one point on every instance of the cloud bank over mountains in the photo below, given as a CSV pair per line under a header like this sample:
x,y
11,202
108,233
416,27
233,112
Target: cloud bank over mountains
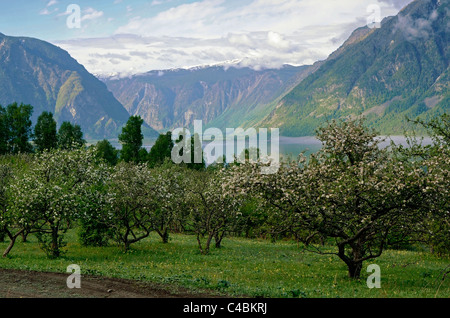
x,y
260,34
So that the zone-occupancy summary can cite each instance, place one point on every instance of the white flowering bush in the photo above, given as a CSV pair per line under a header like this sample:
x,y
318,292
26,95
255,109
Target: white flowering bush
x,y
435,161
169,197
351,191
437,190
92,230
12,167
5,176
53,193
129,214
214,206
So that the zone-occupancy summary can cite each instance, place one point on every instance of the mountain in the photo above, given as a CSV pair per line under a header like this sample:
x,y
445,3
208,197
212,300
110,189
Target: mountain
x,y
385,74
40,74
222,95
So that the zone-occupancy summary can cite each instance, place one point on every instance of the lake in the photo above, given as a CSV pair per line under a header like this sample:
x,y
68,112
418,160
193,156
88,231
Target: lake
x,y
291,146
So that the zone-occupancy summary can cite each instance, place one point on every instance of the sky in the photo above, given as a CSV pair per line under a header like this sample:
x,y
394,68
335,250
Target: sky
x,y
126,37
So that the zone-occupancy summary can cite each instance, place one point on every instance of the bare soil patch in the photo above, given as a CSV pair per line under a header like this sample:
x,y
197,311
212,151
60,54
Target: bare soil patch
x,y
28,284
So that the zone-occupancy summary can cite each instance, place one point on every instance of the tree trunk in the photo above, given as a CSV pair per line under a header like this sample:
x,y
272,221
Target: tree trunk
x,y
354,269
9,248
205,250
24,237
208,244
218,238
55,244
124,239
164,236
11,244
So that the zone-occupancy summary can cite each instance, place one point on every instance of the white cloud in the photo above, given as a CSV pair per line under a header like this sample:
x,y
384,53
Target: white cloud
x,y
259,33
46,11
399,4
415,29
52,3
91,14
186,19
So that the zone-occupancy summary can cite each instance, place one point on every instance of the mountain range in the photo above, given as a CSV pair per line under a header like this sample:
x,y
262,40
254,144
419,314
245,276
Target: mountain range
x,y
45,76
219,96
387,74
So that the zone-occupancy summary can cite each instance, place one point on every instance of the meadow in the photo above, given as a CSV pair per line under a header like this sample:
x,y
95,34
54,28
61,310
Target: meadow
x,y
243,268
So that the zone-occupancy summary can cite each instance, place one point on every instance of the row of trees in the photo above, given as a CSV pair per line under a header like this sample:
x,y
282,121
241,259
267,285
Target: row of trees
x,y
17,135
53,191
354,194
16,131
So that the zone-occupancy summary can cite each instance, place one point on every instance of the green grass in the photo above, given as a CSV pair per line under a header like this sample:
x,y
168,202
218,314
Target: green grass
x,y
255,268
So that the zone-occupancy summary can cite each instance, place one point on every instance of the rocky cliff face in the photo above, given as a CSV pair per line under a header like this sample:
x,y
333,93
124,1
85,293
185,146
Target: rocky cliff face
x,y
175,98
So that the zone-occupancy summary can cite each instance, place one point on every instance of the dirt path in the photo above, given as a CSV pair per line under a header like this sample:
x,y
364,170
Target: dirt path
x,y
25,284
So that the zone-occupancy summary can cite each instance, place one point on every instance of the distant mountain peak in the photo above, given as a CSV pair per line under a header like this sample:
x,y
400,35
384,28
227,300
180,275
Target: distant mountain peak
x,y
45,76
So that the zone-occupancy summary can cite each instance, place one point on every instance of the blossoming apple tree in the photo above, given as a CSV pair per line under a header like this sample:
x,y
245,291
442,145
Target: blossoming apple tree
x,y
352,192
54,192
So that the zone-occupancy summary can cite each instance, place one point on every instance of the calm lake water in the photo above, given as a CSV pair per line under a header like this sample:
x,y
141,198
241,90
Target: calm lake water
x,y
291,146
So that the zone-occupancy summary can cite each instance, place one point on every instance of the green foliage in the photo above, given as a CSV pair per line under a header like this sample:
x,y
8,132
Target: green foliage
x,y
142,155
439,236
131,201
5,177
56,190
353,191
253,220
131,139
93,232
45,132
161,150
52,244
197,150
4,131
436,156
15,128
170,203
190,151
438,128
70,136
107,152
213,205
